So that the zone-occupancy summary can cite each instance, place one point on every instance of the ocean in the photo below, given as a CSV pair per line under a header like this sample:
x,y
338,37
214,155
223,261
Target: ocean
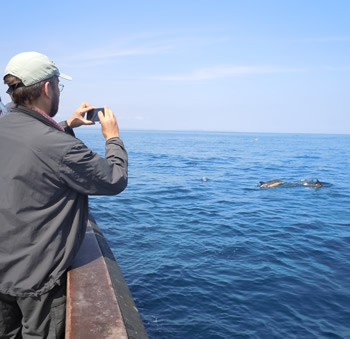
x,y
207,253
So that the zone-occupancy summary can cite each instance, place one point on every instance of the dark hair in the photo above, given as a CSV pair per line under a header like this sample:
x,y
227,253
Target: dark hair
x,y
21,94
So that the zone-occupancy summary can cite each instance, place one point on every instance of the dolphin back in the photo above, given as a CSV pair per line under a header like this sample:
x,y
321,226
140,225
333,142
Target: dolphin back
x,y
271,183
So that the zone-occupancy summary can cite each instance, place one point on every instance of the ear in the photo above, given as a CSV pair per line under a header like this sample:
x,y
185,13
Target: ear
x,y
46,89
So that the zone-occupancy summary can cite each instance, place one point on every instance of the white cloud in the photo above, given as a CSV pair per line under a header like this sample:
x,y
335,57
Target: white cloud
x,y
112,53
225,72
140,118
146,43
129,118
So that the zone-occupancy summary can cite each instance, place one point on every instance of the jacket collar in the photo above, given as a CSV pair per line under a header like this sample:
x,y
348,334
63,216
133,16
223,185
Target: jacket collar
x,y
49,122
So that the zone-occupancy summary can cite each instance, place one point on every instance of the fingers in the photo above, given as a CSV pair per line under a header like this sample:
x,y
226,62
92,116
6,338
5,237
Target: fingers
x,y
87,122
101,116
77,119
108,115
109,124
84,107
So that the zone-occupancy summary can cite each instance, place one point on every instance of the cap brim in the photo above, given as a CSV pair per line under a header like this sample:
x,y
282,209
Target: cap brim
x,y
65,76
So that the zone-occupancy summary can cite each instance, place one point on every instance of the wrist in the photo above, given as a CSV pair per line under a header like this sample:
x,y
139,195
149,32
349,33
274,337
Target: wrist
x,y
110,136
69,123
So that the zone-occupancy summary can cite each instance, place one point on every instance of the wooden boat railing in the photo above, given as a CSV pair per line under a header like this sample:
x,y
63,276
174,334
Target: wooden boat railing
x,y
99,303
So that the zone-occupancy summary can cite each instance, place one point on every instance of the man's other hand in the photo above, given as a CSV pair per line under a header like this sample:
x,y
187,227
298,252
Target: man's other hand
x,y
109,125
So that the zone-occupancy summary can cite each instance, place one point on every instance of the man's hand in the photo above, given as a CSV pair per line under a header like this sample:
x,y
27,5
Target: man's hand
x,y
77,119
109,125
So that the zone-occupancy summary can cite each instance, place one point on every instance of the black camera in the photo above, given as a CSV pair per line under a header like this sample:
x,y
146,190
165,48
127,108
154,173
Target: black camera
x,y
93,114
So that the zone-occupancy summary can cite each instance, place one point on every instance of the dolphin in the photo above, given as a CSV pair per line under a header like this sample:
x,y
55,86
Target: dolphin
x,y
316,184
271,183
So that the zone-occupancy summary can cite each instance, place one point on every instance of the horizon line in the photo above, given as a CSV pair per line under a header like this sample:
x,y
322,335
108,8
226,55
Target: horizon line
x,y
213,131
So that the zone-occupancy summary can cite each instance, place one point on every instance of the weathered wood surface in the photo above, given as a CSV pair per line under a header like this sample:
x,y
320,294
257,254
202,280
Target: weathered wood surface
x,y
99,303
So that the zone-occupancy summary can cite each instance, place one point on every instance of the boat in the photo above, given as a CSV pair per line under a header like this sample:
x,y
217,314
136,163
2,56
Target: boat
x,y
99,303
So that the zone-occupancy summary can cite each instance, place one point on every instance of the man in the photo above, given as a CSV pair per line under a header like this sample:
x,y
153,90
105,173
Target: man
x,y
46,175
3,108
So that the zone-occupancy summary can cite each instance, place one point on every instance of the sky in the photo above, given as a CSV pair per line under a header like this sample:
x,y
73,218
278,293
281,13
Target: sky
x,y
224,65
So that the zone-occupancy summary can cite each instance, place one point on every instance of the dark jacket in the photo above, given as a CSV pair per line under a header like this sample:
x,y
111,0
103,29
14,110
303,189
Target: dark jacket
x,y
46,176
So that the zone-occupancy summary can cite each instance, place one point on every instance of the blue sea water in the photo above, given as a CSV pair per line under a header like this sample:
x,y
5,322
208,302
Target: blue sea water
x,y
222,257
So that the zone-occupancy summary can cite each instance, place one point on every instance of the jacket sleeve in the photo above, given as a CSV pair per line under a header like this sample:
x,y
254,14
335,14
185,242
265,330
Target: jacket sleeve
x,y
66,128
86,172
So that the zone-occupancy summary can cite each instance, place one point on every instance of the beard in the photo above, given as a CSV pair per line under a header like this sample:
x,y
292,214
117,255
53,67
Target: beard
x,y
54,104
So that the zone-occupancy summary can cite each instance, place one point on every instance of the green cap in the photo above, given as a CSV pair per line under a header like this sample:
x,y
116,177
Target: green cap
x,y
33,67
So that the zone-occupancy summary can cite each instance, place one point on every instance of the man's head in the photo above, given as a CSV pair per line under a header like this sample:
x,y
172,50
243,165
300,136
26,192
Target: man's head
x,y
32,76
